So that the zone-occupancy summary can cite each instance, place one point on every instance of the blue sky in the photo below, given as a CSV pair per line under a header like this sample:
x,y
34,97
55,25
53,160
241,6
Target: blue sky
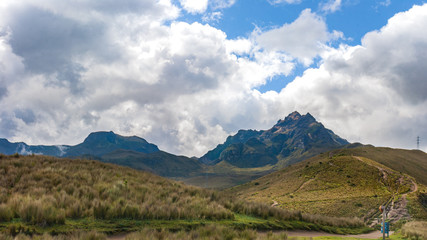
x,y
353,18
185,74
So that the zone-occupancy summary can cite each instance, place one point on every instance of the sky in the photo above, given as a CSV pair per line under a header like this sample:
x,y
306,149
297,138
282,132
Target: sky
x,y
185,74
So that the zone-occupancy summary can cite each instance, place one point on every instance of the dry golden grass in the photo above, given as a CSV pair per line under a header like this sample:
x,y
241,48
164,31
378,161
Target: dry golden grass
x,y
341,185
40,193
415,230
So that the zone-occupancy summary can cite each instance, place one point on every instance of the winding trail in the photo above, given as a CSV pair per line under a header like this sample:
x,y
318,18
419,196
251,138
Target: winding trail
x,y
397,209
304,184
298,233
371,235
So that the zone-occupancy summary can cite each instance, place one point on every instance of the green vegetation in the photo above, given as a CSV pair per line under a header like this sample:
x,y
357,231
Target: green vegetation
x,y
415,230
417,203
329,184
159,163
411,162
40,194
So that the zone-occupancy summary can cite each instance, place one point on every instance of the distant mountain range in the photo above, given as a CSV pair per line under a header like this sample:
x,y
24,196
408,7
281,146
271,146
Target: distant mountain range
x,y
96,144
131,151
291,140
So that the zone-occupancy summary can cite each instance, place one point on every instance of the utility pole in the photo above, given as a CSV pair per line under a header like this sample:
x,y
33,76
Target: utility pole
x,y
418,142
383,222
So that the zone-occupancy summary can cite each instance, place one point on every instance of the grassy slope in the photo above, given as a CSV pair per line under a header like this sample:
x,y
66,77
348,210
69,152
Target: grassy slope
x,y
39,194
224,175
412,162
337,186
160,163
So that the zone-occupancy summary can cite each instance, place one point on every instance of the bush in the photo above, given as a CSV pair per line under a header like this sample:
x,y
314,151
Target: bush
x,y
41,213
101,211
6,213
415,230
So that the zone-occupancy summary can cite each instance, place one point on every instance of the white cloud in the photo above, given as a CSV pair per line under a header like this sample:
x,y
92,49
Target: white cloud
x,y
128,73
194,6
331,6
303,39
373,93
274,2
212,17
385,3
186,86
219,4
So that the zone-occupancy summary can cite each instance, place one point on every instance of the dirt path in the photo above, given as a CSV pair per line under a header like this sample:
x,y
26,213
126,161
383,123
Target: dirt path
x,y
304,184
397,209
383,172
372,235
275,203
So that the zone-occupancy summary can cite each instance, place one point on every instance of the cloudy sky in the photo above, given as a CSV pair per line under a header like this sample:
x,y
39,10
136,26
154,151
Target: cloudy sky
x,y
185,74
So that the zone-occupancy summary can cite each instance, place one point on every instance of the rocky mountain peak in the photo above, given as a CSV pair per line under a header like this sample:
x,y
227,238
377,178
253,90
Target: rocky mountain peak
x,y
293,120
294,116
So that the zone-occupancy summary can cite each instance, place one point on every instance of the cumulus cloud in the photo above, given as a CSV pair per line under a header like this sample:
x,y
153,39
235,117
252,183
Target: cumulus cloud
x,y
194,6
373,93
303,39
110,69
185,87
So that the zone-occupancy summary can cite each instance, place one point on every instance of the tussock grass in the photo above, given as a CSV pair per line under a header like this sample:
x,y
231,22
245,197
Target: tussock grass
x,y
415,230
60,195
44,191
209,232
74,236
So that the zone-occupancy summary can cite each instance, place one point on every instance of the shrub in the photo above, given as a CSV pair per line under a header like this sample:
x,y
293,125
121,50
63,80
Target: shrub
x,y
415,230
6,213
41,213
101,211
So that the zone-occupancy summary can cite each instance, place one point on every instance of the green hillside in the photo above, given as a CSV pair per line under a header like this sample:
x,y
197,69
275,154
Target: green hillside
x,y
40,194
160,163
339,183
412,162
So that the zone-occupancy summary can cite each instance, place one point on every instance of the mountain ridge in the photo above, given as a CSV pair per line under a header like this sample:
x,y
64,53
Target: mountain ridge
x,y
96,144
107,146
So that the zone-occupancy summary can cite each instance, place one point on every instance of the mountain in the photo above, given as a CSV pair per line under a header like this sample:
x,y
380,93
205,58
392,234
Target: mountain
x,y
96,144
100,143
109,147
291,140
347,182
8,148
